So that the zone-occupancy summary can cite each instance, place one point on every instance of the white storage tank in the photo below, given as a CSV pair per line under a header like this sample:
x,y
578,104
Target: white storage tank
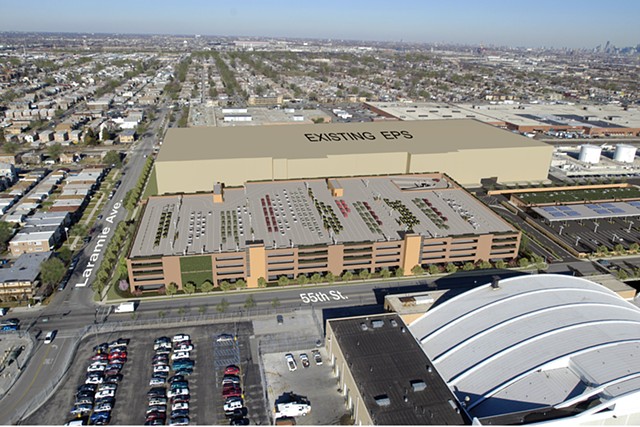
x,y
624,153
590,153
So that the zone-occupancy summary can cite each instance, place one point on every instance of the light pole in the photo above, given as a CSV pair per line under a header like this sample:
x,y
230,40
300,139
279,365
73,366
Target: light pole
x,y
614,238
630,225
561,228
595,230
577,240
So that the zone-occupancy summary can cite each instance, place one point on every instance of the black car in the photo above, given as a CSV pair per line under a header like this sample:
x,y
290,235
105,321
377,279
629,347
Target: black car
x,y
113,379
108,400
239,422
180,413
87,387
101,348
157,392
176,378
11,322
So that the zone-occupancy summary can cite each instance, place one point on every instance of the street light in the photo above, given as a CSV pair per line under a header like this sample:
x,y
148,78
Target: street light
x,y
561,228
630,225
577,240
595,230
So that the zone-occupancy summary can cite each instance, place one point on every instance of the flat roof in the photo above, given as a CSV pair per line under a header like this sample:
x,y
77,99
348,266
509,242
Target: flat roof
x,y
384,361
26,267
324,140
294,213
588,211
429,111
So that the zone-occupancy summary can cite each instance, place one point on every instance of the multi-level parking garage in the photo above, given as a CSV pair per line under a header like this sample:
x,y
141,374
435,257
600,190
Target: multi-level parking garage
x,y
287,228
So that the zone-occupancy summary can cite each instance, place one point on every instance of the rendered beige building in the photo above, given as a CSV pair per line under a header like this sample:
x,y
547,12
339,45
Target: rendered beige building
x,y
288,228
193,159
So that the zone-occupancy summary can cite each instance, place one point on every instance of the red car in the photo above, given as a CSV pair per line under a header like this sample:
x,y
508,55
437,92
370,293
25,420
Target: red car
x,y
99,357
117,356
232,370
231,390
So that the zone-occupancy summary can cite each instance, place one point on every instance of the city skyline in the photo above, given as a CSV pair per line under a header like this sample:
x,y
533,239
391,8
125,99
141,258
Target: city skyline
x,y
571,24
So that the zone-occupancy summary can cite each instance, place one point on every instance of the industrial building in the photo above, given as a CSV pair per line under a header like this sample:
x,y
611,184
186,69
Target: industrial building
x,y
193,159
531,349
587,120
287,228
590,160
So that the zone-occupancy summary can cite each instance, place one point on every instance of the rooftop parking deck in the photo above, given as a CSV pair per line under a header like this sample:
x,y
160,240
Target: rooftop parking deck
x,y
308,212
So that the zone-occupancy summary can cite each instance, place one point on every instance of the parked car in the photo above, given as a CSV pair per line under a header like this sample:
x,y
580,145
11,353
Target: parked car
x,y
180,337
157,392
239,421
157,408
178,392
291,362
179,405
160,368
180,355
317,357
81,409
84,400
183,347
105,386
94,379
179,384
158,401
225,338
232,370
105,393
233,403
230,379
305,360
101,357
154,381
113,378
180,421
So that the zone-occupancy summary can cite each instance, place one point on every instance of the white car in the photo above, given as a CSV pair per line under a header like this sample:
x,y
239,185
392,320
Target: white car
x,y
94,379
50,336
160,368
96,368
157,401
103,387
291,362
105,393
184,347
233,403
178,392
155,381
180,355
179,405
180,338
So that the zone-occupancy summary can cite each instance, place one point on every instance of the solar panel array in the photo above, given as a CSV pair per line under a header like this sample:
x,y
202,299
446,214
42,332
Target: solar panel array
x,y
560,211
605,208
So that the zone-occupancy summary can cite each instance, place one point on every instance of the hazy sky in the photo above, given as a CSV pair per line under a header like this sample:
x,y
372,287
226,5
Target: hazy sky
x,y
559,23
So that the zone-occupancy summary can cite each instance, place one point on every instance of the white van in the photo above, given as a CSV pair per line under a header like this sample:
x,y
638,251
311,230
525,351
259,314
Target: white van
x,y
49,337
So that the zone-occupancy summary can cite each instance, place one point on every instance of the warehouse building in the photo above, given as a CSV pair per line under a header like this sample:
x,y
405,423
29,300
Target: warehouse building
x,y
542,349
193,159
287,228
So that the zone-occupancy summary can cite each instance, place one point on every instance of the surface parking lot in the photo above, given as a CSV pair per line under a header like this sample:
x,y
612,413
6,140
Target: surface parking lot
x,y
205,406
317,383
588,235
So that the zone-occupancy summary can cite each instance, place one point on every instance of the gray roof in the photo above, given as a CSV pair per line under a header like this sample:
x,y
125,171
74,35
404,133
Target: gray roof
x,y
193,223
25,269
385,361
589,211
535,342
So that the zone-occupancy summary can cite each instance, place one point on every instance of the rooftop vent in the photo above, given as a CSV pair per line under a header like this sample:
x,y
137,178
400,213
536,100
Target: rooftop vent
x,y
383,400
375,324
418,385
364,326
393,323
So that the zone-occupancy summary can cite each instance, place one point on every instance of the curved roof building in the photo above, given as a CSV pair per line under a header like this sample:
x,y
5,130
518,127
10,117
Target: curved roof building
x,y
538,348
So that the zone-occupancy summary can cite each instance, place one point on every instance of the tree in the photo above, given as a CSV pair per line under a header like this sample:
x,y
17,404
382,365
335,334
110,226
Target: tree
x,y
225,286
105,134
283,281
364,274
113,158
433,269
275,303
316,278
241,284
622,274
172,289
634,247
249,302
603,250
189,288
90,138
206,286
417,270
523,262
385,273
262,282
347,276
500,264
619,248
65,254
468,266
302,279
486,264
54,151
222,306
6,233
329,277
451,268
399,272
52,271
202,309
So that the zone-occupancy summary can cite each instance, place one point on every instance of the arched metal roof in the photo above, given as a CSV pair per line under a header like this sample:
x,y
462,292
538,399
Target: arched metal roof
x,y
536,341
